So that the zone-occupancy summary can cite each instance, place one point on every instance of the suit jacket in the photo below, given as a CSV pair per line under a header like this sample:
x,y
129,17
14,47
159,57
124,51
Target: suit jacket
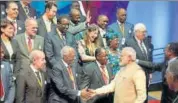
x,y
22,15
74,29
24,54
62,90
20,26
28,88
128,85
42,31
133,43
128,29
167,95
92,78
53,45
8,82
14,59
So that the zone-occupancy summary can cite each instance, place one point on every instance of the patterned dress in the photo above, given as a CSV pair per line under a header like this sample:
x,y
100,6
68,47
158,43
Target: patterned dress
x,y
114,60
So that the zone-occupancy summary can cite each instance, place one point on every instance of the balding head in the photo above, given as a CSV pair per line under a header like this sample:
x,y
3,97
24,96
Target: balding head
x,y
31,26
75,15
68,54
37,59
102,21
12,10
121,15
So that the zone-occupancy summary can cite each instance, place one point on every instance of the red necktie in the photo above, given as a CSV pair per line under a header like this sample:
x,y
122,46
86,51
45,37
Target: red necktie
x,y
1,89
15,26
69,69
103,73
29,44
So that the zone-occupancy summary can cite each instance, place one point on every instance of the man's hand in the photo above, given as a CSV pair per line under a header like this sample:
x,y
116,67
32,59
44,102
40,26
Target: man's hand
x,y
88,17
87,94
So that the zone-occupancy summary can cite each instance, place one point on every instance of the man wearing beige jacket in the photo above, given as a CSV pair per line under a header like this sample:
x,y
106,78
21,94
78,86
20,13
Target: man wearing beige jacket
x,y
129,84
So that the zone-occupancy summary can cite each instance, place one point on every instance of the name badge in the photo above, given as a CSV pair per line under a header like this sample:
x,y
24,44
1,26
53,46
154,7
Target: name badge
x,y
123,41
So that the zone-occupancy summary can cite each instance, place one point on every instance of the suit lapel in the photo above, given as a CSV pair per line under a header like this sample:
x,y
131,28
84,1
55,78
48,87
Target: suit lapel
x,y
33,77
5,49
98,72
35,43
25,45
43,24
109,72
74,74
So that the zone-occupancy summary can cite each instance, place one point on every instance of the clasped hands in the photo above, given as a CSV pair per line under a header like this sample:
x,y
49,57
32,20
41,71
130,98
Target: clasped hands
x,y
87,94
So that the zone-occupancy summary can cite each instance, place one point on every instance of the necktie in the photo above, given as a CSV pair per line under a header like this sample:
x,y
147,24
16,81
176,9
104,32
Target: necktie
x,y
27,11
143,50
29,44
38,78
15,26
122,29
69,69
104,76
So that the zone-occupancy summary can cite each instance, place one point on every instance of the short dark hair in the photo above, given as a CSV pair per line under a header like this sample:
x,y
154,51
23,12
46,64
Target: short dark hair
x,y
49,5
59,19
4,24
98,51
173,47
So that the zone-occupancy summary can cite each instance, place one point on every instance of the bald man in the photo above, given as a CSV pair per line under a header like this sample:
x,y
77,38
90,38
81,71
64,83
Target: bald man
x,y
31,81
28,41
123,28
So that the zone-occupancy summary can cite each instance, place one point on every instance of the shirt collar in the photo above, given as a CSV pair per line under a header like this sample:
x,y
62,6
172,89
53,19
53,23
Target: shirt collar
x,y
34,69
66,65
98,64
172,59
119,22
45,18
138,41
10,19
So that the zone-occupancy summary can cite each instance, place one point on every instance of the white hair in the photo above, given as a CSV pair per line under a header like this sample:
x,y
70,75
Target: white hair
x,y
66,50
139,26
131,52
34,54
28,20
173,67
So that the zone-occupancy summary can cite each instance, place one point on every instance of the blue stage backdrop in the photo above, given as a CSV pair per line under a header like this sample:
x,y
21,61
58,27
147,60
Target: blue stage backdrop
x,y
160,17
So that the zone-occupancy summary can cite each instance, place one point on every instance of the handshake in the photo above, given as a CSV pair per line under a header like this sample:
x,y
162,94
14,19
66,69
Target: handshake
x,y
87,94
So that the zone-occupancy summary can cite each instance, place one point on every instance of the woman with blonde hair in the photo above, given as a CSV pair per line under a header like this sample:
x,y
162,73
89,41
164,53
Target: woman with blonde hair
x,y
89,44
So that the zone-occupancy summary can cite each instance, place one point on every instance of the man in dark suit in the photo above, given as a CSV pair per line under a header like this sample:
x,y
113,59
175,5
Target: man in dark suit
x,y
102,23
96,75
171,78
64,87
28,41
45,22
121,27
25,10
12,11
56,40
31,80
171,54
138,43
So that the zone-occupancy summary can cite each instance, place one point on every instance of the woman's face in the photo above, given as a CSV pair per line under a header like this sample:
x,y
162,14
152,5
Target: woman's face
x,y
93,35
8,31
114,44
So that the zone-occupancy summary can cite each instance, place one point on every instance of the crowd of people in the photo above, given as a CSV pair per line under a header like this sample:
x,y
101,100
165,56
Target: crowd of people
x,y
65,59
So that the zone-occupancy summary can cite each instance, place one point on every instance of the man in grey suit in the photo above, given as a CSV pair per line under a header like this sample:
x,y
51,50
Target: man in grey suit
x,y
31,80
12,11
121,27
64,87
75,26
138,43
45,22
25,10
172,77
96,75
56,40
29,41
